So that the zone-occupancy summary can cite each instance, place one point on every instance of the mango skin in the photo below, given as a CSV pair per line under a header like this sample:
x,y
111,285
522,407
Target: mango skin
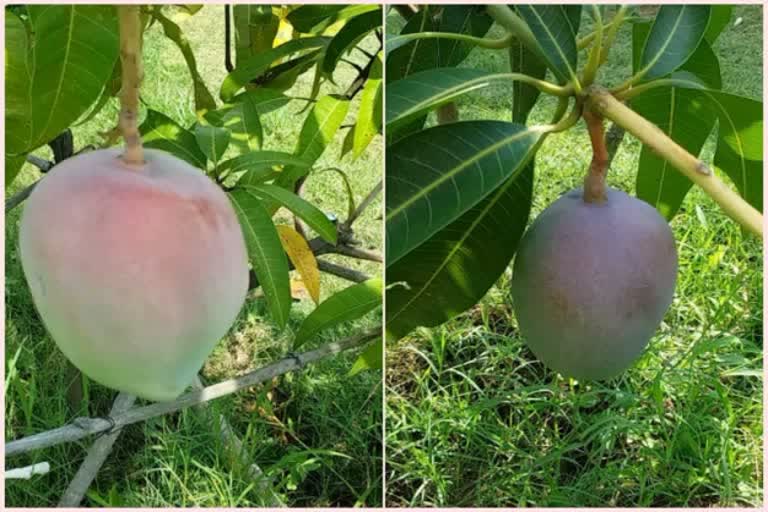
x,y
136,272
591,283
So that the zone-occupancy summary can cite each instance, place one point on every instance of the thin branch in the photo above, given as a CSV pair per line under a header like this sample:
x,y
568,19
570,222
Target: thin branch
x,y
364,204
41,163
360,254
96,457
19,197
83,427
228,40
343,272
236,451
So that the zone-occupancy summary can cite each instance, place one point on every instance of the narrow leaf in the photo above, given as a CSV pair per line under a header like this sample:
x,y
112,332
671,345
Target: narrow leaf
x,y
161,132
314,19
257,65
369,116
353,31
435,176
307,212
455,268
13,165
265,252
57,71
676,33
372,358
553,27
344,306
303,259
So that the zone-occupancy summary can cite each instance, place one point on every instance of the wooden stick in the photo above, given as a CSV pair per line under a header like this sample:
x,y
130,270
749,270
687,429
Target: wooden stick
x,y
84,427
96,457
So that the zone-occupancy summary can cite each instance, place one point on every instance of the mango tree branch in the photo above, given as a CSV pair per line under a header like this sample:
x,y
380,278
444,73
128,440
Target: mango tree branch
x,y
602,102
130,59
81,428
594,183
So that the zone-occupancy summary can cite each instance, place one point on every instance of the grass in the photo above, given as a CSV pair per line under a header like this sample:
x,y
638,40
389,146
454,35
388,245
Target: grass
x,y
473,419
317,432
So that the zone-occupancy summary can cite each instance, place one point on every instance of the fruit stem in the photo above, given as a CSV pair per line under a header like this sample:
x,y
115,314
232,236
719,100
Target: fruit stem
x,y
603,102
594,182
130,59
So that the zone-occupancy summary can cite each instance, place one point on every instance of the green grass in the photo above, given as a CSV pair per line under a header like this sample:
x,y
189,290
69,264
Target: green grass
x,y
316,431
473,419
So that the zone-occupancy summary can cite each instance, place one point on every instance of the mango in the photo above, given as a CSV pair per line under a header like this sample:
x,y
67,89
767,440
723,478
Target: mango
x,y
592,281
136,271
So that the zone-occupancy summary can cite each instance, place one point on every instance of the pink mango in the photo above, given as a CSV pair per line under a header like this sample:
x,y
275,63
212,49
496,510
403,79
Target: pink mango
x,y
137,272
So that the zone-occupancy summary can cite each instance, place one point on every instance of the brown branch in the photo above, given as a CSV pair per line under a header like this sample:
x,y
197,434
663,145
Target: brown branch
x,y
594,183
81,428
343,272
364,204
19,197
361,254
612,142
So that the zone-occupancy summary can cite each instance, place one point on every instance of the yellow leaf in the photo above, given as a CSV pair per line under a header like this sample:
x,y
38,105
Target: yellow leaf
x,y
302,258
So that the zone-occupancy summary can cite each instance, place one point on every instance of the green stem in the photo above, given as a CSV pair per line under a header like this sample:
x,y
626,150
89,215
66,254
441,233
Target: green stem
x,y
494,44
603,102
613,29
585,41
590,70
628,94
566,122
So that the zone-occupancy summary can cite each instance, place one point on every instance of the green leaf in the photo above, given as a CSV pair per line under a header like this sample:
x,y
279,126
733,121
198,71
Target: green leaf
x,y
739,142
688,122
57,71
553,27
212,140
255,66
203,99
353,31
524,96
419,93
436,175
265,252
283,76
455,268
244,124
161,132
348,304
348,142
372,358
369,116
703,63
721,15
255,29
307,212
264,100
424,54
13,165
676,33
261,162
313,19
317,132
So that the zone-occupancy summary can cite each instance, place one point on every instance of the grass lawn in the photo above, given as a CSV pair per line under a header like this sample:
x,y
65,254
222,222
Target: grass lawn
x,y
473,419
317,432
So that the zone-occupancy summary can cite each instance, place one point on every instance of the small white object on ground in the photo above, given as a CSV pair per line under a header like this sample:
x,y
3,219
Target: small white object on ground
x,y
28,472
